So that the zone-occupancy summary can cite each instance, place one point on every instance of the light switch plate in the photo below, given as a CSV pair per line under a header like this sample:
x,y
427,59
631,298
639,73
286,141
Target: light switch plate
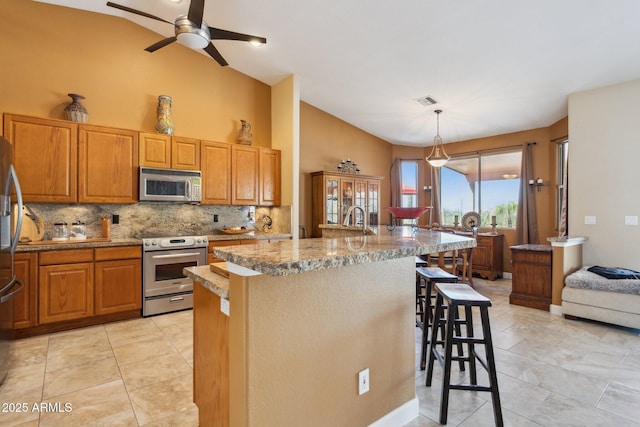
x,y
631,220
589,219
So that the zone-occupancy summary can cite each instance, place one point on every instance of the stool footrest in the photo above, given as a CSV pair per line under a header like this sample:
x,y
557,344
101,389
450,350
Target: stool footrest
x,y
470,387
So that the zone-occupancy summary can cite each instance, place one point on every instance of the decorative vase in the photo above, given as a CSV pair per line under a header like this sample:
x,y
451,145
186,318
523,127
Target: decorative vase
x,y
164,124
76,111
244,135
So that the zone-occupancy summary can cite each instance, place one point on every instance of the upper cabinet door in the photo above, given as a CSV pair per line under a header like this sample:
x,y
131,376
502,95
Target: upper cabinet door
x,y
185,153
155,150
45,157
107,165
244,167
216,173
269,177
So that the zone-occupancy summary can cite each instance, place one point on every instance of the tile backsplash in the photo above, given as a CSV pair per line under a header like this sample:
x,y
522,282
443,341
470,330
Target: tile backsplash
x,y
148,219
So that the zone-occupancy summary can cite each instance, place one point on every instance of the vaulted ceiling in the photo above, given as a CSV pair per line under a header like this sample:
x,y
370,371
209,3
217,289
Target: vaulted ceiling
x,y
494,66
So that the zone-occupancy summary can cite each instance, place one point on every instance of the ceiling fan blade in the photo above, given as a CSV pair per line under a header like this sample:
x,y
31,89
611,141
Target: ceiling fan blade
x,y
218,34
196,12
137,12
213,52
161,43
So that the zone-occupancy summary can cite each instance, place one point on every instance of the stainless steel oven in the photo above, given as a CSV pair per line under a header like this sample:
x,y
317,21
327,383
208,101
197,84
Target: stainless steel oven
x,y
165,288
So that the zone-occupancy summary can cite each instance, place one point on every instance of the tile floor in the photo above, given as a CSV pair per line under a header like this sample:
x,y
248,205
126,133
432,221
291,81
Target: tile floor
x,y
551,372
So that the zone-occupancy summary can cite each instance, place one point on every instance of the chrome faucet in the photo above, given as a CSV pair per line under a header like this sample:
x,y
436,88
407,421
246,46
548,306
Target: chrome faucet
x,y
348,216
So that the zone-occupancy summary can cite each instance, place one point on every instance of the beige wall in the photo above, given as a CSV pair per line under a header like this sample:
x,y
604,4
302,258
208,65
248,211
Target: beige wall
x,y
49,51
311,334
604,174
324,141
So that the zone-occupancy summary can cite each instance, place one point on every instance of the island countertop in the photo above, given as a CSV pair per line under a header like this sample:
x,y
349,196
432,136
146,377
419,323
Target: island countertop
x,y
281,258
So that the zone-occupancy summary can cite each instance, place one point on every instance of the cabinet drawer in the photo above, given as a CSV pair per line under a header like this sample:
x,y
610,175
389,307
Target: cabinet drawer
x,y
66,256
531,257
120,252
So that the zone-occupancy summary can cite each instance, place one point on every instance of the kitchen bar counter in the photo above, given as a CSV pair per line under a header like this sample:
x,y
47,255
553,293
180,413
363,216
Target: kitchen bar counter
x,y
300,320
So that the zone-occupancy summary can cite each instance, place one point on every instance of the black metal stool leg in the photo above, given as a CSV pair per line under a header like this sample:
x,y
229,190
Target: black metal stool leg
x,y
435,326
470,345
448,353
491,364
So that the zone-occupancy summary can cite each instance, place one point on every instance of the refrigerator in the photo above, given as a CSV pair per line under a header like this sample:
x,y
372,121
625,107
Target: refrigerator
x,y
10,286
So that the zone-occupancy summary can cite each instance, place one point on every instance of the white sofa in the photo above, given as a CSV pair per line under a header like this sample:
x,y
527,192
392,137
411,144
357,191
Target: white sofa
x,y
591,296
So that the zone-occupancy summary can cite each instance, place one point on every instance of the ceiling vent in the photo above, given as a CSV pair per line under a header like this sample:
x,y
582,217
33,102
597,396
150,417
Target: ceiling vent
x,y
425,101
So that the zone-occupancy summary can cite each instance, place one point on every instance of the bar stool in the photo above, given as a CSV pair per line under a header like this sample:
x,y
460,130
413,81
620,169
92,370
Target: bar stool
x,y
419,292
453,296
427,276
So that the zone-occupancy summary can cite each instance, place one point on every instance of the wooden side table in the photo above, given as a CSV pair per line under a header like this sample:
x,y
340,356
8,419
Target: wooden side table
x,y
531,276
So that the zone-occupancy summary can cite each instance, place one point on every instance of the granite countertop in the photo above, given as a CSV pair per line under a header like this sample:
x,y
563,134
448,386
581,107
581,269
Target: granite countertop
x,y
99,243
285,257
216,283
75,244
255,235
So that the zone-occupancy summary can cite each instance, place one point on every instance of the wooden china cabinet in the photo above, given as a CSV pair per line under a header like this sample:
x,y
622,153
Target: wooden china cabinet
x,y
334,193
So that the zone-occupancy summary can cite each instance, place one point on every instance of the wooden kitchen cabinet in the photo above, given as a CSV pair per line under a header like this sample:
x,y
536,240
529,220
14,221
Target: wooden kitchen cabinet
x,y
107,165
169,152
269,182
25,306
216,173
45,155
333,194
244,175
155,150
65,285
118,279
531,276
185,153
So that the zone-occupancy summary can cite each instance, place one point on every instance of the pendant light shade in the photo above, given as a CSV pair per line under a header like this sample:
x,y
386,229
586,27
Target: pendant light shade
x,y
438,156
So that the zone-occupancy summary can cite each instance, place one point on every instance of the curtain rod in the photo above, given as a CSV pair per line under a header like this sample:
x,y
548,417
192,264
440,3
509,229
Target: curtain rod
x,y
497,149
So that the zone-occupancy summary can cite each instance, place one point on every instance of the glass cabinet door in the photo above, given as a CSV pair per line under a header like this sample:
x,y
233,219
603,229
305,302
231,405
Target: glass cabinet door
x,y
331,189
361,200
373,194
347,193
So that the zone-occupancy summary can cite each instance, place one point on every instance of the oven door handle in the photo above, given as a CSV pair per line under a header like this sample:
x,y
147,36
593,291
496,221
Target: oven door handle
x,y
180,255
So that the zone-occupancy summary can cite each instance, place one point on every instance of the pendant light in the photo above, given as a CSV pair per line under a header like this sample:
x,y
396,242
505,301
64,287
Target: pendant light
x,y
438,156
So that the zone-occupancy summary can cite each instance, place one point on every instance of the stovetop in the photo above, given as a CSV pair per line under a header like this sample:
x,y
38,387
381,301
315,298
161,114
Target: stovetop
x,y
177,242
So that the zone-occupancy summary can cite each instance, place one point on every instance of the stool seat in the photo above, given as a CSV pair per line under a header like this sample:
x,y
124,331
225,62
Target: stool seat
x,y
462,294
436,274
420,262
450,297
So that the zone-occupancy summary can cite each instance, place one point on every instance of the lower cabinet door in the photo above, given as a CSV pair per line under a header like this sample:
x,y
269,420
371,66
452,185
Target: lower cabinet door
x,y
65,292
118,286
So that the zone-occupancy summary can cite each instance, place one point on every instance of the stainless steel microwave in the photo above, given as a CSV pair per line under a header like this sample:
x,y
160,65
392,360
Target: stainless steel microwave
x,y
170,185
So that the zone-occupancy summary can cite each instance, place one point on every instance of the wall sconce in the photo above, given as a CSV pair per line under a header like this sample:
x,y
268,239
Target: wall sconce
x,y
535,182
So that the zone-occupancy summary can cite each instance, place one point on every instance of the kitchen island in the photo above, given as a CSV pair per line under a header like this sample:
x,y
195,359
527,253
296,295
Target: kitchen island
x,y
282,340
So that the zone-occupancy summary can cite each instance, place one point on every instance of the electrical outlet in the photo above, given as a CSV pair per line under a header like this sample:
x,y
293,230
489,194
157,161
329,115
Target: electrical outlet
x,y
224,306
589,219
363,381
631,220
215,217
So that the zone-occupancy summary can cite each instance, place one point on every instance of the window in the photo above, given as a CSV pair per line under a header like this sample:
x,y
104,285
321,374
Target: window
x,y
561,178
409,184
486,183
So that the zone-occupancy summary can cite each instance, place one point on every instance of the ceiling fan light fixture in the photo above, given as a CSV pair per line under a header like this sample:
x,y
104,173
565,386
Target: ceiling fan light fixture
x,y
192,40
438,156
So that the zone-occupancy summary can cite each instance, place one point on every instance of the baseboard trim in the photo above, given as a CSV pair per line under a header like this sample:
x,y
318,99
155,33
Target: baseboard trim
x,y
400,416
555,309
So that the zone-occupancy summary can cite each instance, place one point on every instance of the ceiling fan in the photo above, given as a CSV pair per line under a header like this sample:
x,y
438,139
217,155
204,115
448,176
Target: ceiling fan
x,y
193,32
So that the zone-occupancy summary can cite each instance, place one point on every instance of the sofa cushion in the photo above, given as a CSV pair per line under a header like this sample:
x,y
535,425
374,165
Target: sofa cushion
x,y
583,279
